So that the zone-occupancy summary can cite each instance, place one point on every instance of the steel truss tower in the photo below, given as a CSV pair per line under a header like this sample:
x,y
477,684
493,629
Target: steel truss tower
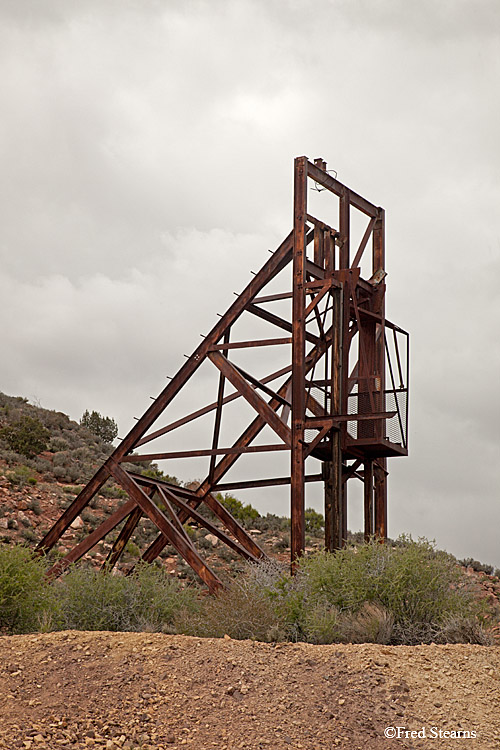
x,y
341,397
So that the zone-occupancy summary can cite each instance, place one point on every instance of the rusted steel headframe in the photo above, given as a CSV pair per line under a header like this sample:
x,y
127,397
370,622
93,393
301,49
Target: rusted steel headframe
x,y
344,389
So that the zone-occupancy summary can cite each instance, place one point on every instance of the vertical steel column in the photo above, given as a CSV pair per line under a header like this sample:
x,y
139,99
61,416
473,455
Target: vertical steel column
x,y
344,263
380,474
368,499
297,542
333,469
380,480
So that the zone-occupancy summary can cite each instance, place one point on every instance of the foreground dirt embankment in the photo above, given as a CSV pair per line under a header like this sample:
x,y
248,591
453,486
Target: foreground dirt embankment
x,y
128,690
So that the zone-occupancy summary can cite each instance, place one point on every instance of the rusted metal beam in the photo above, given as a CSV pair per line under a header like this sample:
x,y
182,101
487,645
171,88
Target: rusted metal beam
x,y
332,470
256,483
277,321
250,395
215,530
368,500
330,183
272,297
364,242
326,287
122,539
261,386
178,540
147,457
250,344
233,526
172,514
297,500
74,510
312,423
309,448
92,539
206,409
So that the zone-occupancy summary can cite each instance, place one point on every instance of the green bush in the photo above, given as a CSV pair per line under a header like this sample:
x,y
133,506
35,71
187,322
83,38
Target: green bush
x,y
407,593
243,610
155,473
20,476
314,522
34,505
418,586
149,600
58,444
27,602
479,567
27,436
29,535
104,428
271,522
246,514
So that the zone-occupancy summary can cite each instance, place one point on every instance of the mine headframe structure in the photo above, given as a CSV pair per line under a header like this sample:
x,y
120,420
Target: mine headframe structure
x,y
341,398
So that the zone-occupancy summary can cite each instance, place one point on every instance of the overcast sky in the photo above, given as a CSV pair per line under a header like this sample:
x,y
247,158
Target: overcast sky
x,y
146,167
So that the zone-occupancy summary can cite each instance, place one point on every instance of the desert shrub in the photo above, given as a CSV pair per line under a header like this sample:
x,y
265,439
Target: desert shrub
x,y
132,549
314,521
27,436
39,464
54,420
73,489
479,567
242,610
104,428
61,473
415,580
204,543
418,587
10,457
91,518
319,623
246,514
409,593
271,522
227,554
149,600
155,473
29,535
282,543
111,490
27,603
456,629
372,623
34,505
20,476
57,444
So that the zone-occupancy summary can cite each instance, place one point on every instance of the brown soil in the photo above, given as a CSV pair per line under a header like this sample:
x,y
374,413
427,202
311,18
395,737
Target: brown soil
x,y
128,690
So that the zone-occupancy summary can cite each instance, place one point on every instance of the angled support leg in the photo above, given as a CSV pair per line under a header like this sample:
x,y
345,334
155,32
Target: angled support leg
x,y
74,510
92,539
122,539
179,541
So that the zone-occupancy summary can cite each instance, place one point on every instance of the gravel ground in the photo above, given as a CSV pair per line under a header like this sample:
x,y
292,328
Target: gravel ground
x,y
162,692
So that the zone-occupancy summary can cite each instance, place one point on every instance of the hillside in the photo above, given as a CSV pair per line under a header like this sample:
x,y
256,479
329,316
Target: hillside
x,y
35,489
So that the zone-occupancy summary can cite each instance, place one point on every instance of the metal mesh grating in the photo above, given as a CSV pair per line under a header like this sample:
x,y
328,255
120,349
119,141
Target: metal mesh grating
x,y
391,400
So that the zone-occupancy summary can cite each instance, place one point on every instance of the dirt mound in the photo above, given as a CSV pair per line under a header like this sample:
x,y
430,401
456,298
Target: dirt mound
x,y
161,692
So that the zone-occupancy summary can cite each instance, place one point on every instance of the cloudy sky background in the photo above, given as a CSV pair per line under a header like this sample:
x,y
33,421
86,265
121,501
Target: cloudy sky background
x,y
147,153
